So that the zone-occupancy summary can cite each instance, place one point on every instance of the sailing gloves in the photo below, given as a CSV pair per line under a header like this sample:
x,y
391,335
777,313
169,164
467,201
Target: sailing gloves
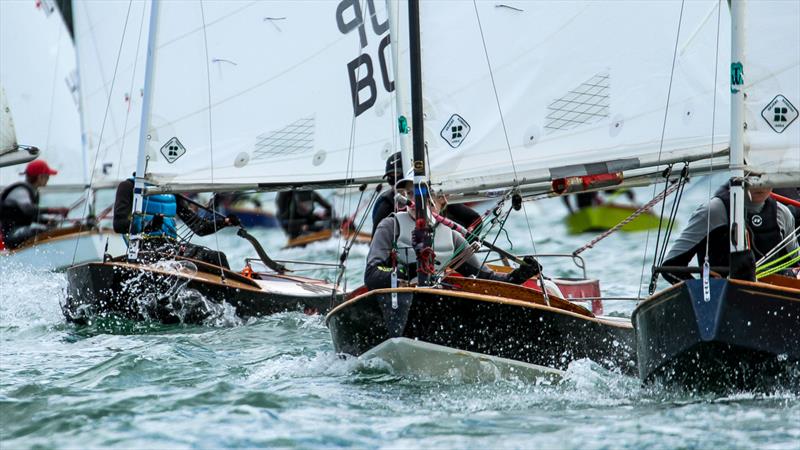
x,y
529,268
232,219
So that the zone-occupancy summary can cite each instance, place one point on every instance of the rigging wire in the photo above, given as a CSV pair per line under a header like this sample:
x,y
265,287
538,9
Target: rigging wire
x,y
663,132
211,140
505,133
105,117
706,262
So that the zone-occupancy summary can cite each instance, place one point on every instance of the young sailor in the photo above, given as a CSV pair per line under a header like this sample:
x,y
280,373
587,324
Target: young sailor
x,y
385,204
296,212
392,241
158,225
768,223
21,218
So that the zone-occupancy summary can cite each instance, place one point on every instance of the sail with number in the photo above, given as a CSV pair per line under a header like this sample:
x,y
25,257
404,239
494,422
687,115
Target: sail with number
x,y
526,92
37,68
249,94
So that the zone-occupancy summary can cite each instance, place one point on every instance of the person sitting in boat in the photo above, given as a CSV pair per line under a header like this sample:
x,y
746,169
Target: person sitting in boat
x,y
385,204
296,212
768,224
158,225
21,218
392,242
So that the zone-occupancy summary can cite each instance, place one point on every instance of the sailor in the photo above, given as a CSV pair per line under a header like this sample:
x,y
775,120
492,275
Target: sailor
x,y
392,244
385,204
768,223
296,212
157,224
21,218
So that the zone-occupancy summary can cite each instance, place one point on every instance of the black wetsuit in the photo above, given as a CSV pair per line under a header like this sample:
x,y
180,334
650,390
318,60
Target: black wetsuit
x,y
296,211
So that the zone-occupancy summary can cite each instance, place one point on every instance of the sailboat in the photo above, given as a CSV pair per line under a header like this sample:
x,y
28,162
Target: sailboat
x,y
11,153
519,100
45,97
734,329
236,97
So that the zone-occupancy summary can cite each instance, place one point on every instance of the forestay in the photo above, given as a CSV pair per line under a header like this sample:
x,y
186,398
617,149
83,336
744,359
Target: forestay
x,y
570,88
772,83
37,68
256,93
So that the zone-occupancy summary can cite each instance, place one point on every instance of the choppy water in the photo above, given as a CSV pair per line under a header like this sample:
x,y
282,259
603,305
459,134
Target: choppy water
x,y
276,382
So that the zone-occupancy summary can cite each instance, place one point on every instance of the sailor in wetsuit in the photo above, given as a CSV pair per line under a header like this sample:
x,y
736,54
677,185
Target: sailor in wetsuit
x,y
397,228
21,218
296,212
158,225
768,223
385,204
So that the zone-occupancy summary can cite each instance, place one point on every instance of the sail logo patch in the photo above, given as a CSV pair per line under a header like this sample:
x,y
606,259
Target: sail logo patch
x,y
779,113
173,150
455,131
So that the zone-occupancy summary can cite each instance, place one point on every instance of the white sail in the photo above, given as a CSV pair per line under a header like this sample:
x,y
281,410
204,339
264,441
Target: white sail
x,y
110,39
772,86
37,69
574,88
8,136
257,93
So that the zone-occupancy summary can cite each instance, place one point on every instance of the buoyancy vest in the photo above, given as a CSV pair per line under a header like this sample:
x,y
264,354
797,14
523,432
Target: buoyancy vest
x,y
163,204
443,245
763,230
11,216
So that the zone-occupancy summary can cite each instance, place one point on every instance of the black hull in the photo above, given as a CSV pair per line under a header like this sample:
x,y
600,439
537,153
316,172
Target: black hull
x,y
515,330
747,336
140,293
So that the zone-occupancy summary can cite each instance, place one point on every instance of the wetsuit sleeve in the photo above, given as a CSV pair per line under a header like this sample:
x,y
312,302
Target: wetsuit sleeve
x,y
473,266
319,199
463,215
383,208
787,223
123,207
202,226
687,245
378,273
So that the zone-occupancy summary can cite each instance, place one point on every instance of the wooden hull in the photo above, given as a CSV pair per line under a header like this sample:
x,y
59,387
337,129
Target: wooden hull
x,y
604,217
492,323
746,336
185,291
324,235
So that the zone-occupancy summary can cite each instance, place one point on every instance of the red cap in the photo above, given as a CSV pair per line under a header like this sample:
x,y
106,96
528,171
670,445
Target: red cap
x,y
39,167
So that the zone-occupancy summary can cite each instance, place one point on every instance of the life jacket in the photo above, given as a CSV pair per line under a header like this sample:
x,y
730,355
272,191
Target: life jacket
x,y
164,204
762,227
11,216
443,245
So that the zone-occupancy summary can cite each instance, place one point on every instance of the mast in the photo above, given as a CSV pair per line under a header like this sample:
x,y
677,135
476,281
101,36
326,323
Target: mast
x,y
87,179
138,186
422,236
400,83
737,189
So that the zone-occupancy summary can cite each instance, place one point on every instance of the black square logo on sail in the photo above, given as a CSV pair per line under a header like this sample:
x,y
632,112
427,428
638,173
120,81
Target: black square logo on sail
x,y
173,150
455,131
779,113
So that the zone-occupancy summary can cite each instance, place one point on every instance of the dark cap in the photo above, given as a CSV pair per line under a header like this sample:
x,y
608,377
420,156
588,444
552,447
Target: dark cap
x,y
394,165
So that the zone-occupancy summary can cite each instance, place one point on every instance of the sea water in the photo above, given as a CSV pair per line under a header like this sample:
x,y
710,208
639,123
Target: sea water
x,y
276,381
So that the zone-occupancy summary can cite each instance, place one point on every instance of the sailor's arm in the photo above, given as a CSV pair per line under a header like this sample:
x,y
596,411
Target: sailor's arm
x,y
200,225
378,272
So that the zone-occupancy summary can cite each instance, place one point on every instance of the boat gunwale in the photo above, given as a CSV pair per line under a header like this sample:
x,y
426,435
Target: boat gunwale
x,y
68,233
478,297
